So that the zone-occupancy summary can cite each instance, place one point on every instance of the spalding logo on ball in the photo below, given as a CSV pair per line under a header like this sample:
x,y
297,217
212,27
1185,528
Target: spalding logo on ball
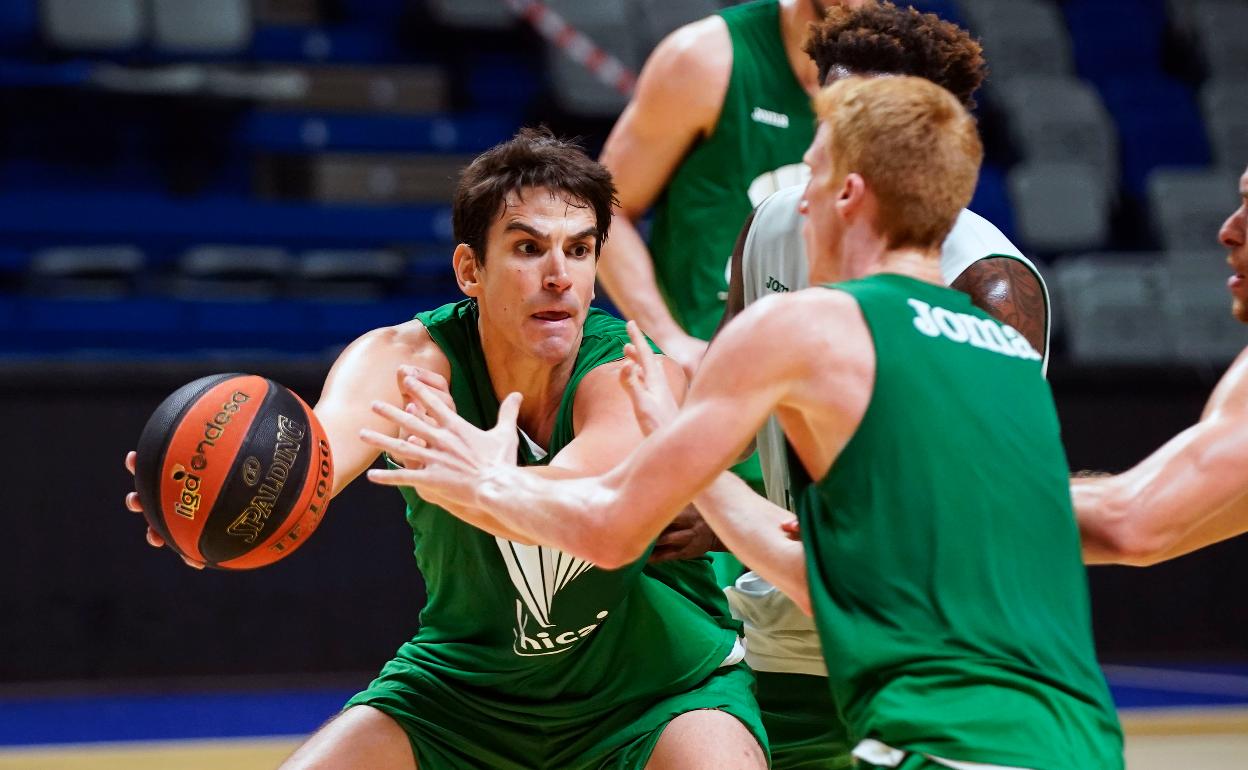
x,y
234,471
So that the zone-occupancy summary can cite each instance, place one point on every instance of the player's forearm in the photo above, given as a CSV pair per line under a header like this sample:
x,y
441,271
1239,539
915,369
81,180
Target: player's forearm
x,y
626,271
576,515
749,526
1184,496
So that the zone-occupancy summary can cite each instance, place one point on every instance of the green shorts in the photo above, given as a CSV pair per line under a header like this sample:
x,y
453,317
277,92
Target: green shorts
x,y
455,730
802,723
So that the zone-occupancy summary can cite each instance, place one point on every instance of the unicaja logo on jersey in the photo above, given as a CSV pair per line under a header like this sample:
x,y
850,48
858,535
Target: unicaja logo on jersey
x,y
770,118
539,573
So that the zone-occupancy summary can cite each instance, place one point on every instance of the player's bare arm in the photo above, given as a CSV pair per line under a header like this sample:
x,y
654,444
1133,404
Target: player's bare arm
x,y
366,372
677,102
1010,292
605,434
736,281
610,520
1183,497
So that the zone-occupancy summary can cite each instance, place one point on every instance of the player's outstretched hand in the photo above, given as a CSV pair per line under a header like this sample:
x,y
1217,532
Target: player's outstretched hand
x,y
445,455
132,502
646,382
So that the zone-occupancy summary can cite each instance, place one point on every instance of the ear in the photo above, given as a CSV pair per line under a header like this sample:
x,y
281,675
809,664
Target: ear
x,y
467,270
852,195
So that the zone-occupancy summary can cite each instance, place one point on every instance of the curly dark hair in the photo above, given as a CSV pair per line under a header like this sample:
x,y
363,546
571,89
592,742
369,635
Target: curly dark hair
x,y
533,158
884,39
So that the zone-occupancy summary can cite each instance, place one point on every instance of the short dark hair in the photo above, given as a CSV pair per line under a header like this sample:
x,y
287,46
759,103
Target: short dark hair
x,y
882,38
533,158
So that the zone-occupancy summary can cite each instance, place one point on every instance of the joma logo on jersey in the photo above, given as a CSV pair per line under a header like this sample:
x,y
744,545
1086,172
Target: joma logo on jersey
x,y
775,285
971,330
767,117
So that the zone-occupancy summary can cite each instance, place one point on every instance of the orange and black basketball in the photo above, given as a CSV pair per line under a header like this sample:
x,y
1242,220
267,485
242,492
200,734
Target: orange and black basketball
x,y
234,471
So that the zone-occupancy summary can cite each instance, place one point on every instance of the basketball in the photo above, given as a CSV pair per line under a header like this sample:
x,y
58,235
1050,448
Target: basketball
x,y
234,471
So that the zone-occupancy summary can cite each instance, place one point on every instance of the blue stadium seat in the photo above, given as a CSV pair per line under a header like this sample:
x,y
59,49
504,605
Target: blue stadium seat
x,y
945,9
148,324
102,216
297,132
991,200
1116,37
358,43
1158,125
19,24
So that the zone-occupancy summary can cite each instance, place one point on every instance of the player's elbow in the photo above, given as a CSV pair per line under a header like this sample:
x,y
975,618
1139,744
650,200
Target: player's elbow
x,y
1120,533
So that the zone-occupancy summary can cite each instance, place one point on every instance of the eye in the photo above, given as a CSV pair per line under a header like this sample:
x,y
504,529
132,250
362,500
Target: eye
x,y
581,250
527,247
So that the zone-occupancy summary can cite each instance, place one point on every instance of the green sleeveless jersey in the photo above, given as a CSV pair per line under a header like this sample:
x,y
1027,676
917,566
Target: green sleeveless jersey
x,y
533,625
944,560
755,149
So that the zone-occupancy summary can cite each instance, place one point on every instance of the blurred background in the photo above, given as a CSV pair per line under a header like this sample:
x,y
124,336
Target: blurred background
x,y
197,186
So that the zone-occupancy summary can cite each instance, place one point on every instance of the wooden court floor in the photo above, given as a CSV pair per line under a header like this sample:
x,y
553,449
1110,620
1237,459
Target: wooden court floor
x,y
1170,739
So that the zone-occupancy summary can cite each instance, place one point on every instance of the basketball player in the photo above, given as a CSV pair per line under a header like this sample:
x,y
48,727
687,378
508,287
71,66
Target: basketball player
x,y
940,554
1192,492
526,656
782,645
719,120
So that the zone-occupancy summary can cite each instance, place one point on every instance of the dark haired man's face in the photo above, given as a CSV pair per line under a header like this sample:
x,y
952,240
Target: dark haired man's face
x,y
537,282
1234,236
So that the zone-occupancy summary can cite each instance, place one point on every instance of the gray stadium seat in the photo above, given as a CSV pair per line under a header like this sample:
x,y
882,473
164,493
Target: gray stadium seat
x,y
654,19
1020,38
576,89
1187,206
1059,207
93,25
1109,303
1060,119
103,272
214,273
473,14
195,26
1197,307
1224,105
1220,29
349,274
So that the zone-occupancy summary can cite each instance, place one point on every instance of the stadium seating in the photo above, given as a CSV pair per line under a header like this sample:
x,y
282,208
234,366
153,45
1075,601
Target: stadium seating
x,y
1188,207
1225,110
1109,304
94,25
1060,207
1060,119
1197,307
196,27
1021,39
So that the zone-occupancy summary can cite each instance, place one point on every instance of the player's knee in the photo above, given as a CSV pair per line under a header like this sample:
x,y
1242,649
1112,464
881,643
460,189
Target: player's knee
x,y
709,739
361,736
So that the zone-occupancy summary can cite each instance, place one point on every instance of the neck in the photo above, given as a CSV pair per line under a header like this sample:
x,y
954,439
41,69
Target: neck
x,y
795,17
513,370
868,254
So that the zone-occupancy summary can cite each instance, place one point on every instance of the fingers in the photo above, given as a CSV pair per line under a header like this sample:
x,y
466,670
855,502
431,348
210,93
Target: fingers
x,y
393,478
409,423
132,502
155,539
131,459
192,564
792,529
509,412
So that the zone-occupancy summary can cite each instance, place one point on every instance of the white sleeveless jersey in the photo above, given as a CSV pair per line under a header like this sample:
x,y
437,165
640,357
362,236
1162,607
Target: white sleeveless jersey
x,y
774,260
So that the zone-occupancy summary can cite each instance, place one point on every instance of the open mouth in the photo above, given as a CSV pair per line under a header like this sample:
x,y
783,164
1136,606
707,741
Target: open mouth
x,y
552,315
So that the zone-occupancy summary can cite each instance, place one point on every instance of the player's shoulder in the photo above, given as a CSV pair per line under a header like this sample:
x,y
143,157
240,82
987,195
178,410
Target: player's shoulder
x,y
695,53
408,342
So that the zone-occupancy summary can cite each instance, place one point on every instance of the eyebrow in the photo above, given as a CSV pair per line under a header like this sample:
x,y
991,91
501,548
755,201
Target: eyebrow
x,y
589,232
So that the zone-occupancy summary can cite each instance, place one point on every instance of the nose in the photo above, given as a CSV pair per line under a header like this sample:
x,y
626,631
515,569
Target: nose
x,y
1234,230
557,277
